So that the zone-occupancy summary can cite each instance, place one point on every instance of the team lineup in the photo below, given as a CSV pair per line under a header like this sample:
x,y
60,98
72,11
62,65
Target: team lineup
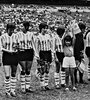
x,y
63,46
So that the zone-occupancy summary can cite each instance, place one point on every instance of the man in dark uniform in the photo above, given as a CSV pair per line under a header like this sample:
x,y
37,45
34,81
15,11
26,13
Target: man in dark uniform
x,y
78,50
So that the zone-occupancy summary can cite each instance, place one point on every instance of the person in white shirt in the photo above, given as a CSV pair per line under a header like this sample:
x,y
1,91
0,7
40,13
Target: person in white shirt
x,y
44,49
26,49
9,59
87,51
59,57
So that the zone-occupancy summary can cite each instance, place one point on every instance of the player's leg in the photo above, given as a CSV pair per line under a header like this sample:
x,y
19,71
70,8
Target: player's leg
x,y
28,76
75,72
13,80
65,65
72,69
56,74
22,76
60,56
22,62
6,66
29,60
72,78
89,69
7,79
48,58
42,70
42,77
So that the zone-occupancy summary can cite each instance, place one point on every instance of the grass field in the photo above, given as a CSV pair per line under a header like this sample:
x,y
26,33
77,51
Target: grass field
x,y
82,93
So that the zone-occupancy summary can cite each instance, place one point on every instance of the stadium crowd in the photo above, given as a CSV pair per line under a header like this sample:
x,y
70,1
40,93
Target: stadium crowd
x,y
52,34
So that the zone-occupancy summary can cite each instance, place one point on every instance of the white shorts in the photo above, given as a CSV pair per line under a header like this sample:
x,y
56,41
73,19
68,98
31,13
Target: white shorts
x,y
69,62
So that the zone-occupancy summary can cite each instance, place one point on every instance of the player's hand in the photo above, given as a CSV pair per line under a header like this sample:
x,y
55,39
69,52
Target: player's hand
x,y
36,57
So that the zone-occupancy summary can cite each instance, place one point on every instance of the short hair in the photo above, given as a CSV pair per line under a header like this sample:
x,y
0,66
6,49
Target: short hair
x,y
60,30
43,25
10,25
82,25
68,38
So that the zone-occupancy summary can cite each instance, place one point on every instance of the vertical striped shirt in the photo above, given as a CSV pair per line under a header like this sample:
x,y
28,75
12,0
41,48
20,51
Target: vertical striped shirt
x,y
44,42
8,42
25,40
58,44
88,40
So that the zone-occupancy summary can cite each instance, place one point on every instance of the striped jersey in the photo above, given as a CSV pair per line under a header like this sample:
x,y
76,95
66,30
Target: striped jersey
x,y
88,40
25,40
35,39
58,44
9,42
44,42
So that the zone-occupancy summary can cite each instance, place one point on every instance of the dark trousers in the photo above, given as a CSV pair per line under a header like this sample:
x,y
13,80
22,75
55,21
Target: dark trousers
x,y
80,76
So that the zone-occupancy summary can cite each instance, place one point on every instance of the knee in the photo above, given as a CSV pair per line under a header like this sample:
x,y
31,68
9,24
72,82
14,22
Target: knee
x,y
67,74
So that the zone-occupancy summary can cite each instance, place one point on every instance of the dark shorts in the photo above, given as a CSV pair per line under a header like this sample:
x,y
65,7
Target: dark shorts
x,y
87,51
46,56
10,58
26,55
60,56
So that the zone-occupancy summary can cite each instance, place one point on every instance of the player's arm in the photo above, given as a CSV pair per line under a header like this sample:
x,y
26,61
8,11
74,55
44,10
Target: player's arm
x,y
16,44
35,47
56,47
52,43
2,45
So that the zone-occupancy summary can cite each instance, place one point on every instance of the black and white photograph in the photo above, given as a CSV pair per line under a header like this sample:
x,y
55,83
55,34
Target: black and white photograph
x,y
44,49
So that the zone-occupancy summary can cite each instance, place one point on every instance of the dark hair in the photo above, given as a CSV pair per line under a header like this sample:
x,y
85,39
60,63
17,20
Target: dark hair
x,y
82,26
42,25
86,34
68,38
60,31
26,23
10,25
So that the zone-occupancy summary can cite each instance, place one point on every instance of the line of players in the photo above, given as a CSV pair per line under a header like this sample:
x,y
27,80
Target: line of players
x,y
23,47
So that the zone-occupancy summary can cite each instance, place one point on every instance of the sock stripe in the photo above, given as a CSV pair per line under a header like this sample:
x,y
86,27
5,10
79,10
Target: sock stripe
x,y
7,85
